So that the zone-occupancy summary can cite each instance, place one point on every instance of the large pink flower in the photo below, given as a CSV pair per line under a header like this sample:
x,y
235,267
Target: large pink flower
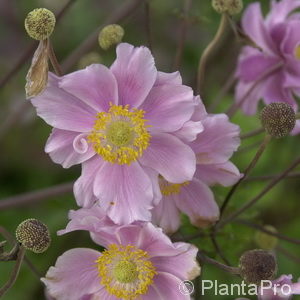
x,y
121,124
139,262
213,147
278,36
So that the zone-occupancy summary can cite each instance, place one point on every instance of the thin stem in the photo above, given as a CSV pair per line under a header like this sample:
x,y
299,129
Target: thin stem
x,y
269,177
35,196
53,60
251,202
252,164
263,229
252,133
208,51
288,254
218,249
184,24
15,272
235,106
148,24
205,258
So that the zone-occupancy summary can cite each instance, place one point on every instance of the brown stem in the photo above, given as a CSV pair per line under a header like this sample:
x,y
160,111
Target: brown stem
x,y
208,51
288,254
232,270
218,249
252,164
38,195
251,202
263,229
15,272
53,60
184,24
269,177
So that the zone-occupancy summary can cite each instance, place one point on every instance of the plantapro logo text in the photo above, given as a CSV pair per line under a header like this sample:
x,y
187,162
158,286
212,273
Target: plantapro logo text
x,y
243,289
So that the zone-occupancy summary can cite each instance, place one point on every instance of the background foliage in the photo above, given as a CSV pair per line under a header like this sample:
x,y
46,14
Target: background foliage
x,y
25,167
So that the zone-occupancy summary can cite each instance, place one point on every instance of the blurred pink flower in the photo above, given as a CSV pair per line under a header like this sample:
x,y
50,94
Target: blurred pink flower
x,y
278,36
139,262
213,147
120,123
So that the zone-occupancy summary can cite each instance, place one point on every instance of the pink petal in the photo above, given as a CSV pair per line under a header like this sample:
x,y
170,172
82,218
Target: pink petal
x,y
189,131
218,130
197,201
62,110
153,175
95,85
296,129
251,68
83,187
254,27
135,72
167,287
292,38
62,146
170,157
225,174
200,111
125,192
74,275
168,78
166,215
189,268
168,107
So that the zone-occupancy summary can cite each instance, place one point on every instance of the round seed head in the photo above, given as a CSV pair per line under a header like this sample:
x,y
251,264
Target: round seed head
x,y
220,6
33,235
257,265
278,119
40,23
110,35
234,7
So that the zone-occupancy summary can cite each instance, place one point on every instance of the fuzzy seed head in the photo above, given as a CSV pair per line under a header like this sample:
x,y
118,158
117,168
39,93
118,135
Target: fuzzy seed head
x,y
110,35
278,119
33,235
40,23
265,240
257,265
232,7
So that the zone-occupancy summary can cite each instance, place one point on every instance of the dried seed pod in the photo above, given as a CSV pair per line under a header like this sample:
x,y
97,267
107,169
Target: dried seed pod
x,y
33,235
40,23
257,265
110,35
278,119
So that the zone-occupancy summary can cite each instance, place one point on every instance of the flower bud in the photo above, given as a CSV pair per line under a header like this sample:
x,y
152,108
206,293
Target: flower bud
x,y
110,35
33,235
257,265
278,119
40,23
265,240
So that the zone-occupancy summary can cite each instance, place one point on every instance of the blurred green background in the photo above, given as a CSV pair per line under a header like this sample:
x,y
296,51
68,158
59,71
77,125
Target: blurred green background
x,y
24,166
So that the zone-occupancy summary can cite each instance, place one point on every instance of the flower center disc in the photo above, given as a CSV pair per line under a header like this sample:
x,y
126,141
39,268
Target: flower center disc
x,y
297,52
125,271
119,135
168,188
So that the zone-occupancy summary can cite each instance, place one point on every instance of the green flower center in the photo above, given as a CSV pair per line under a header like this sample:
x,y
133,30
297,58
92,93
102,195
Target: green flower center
x,y
120,133
125,271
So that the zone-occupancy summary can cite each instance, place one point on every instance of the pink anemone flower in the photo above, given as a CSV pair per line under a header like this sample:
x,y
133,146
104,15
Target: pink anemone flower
x,y
213,147
123,124
271,73
139,262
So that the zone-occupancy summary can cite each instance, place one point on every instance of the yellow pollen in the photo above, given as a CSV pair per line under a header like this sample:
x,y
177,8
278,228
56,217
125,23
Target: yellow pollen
x,y
119,135
125,271
297,52
168,188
